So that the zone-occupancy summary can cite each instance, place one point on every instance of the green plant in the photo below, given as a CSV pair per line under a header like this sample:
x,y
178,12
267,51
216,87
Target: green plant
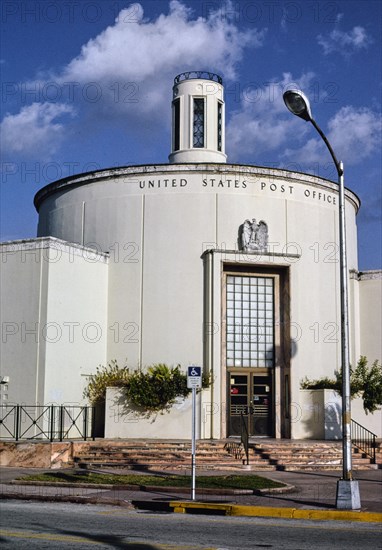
x,y
144,480
368,382
364,381
158,388
153,390
111,375
324,383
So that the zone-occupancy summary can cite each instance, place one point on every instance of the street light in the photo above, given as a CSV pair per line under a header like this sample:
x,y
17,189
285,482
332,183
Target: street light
x,y
348,496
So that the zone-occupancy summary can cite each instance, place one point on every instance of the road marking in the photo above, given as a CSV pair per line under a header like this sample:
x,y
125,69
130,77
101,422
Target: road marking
x,y
62,538
183,547
46,536
115,513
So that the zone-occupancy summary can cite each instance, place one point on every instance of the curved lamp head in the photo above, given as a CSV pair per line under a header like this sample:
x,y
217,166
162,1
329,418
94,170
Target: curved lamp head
x,y
298,104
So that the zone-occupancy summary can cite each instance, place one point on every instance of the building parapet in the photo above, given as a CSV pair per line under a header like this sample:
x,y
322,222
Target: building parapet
x,y
207,168
42,243
371,274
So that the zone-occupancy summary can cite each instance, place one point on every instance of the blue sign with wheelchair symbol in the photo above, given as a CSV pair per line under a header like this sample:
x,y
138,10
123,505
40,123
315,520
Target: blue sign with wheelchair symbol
x,y
194,371
194,377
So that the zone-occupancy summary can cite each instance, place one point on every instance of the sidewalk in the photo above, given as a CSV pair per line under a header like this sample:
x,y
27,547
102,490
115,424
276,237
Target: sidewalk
x,y
314,491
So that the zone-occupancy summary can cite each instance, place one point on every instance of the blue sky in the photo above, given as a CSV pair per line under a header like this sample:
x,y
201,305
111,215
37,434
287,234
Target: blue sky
x,y
86,84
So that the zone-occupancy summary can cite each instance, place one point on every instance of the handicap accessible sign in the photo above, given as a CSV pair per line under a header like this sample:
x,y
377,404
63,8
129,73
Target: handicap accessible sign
x,y
194,377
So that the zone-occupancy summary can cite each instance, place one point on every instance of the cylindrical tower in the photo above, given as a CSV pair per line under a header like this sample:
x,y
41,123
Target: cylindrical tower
x,y
198,118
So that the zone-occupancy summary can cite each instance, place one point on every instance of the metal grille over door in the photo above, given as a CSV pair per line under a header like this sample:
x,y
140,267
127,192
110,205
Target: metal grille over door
x,y
251,396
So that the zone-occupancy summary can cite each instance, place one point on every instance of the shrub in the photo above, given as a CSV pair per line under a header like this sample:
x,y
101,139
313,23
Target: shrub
x,y
158,388
364,381
111,375
153,390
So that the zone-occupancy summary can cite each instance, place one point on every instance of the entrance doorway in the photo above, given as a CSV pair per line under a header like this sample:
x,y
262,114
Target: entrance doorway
x,y
255,354
251,395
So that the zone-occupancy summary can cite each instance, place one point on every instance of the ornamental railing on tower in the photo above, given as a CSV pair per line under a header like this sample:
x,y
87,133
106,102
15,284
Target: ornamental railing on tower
x,y
204,75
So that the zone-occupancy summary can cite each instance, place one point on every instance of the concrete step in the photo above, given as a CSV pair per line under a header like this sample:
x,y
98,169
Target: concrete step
x,y
318,458
172,456
319,467
152,460
151,453
309,457
102,460
218,455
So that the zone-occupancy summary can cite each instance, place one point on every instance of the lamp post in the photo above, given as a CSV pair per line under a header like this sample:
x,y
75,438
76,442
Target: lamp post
x,y
348,496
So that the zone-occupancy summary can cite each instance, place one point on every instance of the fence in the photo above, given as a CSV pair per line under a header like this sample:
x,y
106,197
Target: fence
x,y
364,439
46,422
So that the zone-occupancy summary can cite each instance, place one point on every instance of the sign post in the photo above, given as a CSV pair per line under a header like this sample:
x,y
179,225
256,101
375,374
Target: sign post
x,y
194,381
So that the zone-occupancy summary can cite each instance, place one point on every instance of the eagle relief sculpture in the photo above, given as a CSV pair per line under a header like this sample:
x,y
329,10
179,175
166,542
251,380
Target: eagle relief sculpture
x,y
253,236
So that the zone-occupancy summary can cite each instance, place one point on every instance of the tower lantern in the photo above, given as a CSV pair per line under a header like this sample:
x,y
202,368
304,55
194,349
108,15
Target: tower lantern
x,y
198,118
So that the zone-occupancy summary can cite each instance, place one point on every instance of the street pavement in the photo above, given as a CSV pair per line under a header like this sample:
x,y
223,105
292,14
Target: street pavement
x,y
311,491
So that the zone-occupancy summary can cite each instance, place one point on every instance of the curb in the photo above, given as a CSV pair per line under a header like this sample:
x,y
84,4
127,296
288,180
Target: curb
x,y
75,499
265,511
143,488
157,488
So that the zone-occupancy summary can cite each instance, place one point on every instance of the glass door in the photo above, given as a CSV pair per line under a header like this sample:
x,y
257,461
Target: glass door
x,y
261,414
250,395
239,401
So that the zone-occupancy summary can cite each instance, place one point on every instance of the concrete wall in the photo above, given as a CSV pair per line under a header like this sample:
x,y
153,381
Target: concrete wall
x,y
35,454
317,415
24,284
122,420
54,320
370,307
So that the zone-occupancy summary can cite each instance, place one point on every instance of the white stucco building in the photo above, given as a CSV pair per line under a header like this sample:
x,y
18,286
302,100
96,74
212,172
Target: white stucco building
x,y
198,261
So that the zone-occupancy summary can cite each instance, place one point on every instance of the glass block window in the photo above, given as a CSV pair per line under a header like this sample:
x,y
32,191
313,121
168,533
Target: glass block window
x,y
220,111
176,107
250,321
198,123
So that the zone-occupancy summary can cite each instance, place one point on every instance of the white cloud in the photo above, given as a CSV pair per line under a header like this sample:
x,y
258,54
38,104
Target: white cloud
x,y
262,127
354,133
345,43
262,124
150,53
310,151
36,129
129,68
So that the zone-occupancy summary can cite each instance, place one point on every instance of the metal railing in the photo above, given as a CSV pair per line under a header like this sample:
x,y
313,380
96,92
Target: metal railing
x,y
47,422
244,436
189,75
364,439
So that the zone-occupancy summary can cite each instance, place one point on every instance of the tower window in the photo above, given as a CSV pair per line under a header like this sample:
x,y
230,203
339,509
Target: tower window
x,y
220,114
176,115
198,123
